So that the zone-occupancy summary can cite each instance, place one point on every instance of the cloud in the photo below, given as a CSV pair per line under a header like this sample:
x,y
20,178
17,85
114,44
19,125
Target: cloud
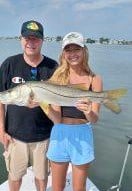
x,y
93,5
60,17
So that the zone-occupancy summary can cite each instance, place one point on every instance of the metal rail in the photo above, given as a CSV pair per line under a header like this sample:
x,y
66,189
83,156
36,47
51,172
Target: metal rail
x,y
118,186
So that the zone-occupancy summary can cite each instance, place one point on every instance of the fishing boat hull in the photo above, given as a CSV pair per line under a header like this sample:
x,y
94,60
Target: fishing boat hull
x,y
28,183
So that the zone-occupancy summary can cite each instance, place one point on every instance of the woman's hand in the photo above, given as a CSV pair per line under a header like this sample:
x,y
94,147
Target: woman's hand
x,y
84,105
87,107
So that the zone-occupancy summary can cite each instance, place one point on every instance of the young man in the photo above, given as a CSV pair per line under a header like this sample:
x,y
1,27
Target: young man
x,y
25,131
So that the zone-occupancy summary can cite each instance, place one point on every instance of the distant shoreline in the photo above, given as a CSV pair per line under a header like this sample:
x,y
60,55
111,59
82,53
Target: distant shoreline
x,y
102,41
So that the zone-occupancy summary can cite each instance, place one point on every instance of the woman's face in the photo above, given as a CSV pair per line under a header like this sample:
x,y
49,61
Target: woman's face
x,y
73,54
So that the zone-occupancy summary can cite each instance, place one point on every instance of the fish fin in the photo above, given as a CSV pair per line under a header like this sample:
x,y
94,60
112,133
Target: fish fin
x,y
116,94
113,106
45,107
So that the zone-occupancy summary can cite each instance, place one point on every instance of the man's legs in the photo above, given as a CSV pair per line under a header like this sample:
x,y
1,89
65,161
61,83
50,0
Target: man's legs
x,y
14,185
40,164
41,185
16,158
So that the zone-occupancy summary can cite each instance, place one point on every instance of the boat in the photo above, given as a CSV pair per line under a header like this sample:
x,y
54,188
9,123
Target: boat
x,y
28,182
28,179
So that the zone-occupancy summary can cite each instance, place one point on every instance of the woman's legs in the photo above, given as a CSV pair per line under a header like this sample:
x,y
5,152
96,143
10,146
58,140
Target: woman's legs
x,y
79,177
59,171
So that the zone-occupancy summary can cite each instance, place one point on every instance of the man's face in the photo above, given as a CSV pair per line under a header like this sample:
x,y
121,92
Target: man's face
x,y
31,45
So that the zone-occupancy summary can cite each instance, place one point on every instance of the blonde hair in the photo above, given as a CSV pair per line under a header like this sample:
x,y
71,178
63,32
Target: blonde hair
x,y
62,74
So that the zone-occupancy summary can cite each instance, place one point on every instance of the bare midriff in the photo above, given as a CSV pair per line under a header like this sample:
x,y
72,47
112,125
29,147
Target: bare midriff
x,y
68,120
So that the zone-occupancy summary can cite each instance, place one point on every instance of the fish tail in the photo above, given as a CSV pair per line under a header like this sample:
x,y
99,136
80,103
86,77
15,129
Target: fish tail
x,y
112,96
114,107
116,94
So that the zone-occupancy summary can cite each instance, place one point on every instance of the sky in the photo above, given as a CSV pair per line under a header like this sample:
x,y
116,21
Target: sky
x,y
93,18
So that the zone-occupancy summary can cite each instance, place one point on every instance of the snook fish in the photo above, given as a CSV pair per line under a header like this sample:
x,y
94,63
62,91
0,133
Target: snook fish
x,y
63,95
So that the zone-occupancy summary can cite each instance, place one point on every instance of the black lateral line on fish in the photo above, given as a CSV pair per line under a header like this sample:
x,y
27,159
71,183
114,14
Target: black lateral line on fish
x,y
70,96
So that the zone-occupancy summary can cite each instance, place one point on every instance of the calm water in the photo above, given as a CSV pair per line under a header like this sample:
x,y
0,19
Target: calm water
x,y
114,64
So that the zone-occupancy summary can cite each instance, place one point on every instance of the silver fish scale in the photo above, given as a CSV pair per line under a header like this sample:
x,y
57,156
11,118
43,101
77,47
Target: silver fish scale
x,y
68,91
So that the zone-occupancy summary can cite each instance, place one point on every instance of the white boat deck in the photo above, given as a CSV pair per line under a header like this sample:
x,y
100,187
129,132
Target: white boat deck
x,y
28,183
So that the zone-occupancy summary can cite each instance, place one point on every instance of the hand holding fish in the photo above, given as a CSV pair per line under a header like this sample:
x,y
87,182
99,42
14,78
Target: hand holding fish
x,y
60,95
32,103
84,105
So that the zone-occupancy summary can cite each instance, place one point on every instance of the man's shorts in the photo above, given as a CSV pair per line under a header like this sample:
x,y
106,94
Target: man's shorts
x,y
20,155
71,143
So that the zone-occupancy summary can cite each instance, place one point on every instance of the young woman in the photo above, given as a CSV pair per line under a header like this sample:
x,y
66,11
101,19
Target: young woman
x,y
71,137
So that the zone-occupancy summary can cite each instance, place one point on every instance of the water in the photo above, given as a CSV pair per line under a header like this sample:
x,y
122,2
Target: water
x,y
114,64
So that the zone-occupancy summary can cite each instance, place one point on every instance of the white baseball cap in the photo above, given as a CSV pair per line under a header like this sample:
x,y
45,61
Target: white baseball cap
x,y
73,38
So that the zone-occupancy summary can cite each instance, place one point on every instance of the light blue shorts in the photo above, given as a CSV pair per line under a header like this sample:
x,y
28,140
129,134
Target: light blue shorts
x,y
71,143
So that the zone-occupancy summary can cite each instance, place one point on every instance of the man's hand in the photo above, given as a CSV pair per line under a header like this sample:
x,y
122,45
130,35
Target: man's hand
x,y
32,103
5,139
